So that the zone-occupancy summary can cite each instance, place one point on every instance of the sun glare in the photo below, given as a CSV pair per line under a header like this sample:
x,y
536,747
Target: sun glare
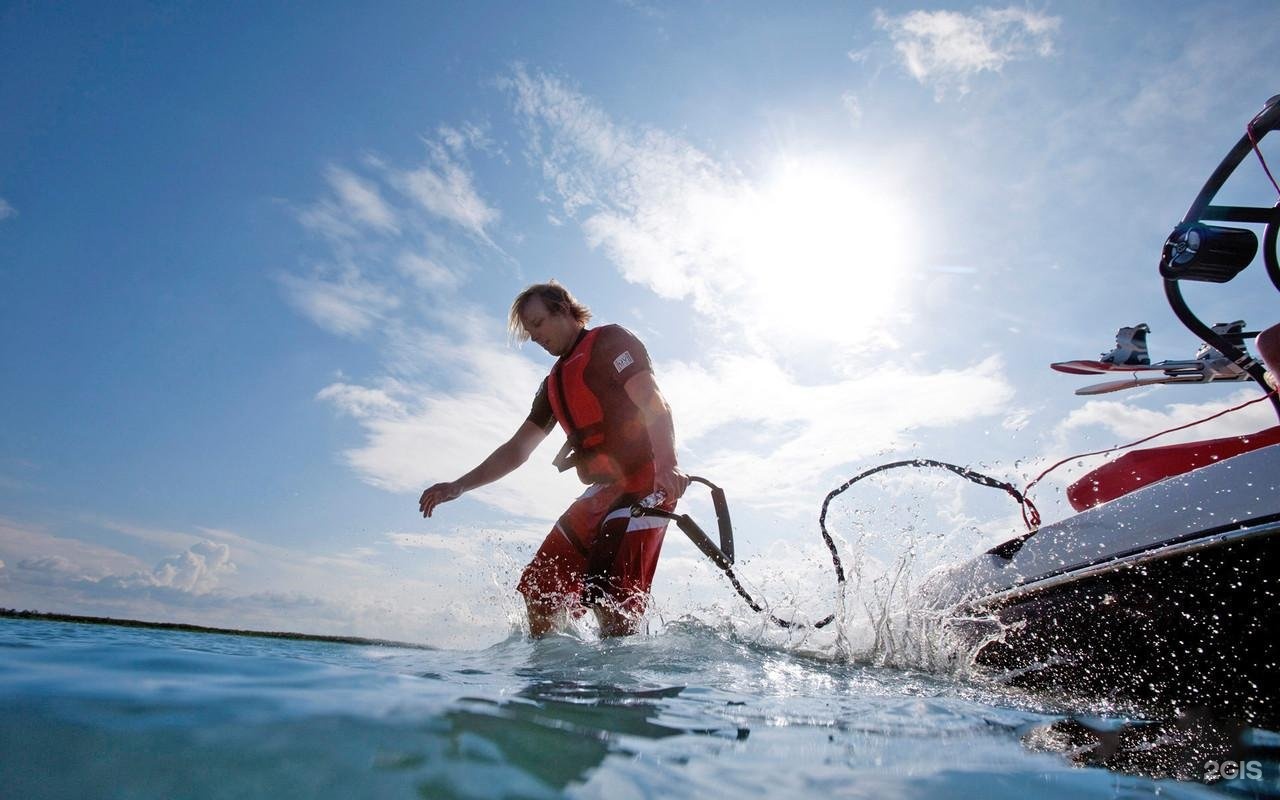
x,y
826,252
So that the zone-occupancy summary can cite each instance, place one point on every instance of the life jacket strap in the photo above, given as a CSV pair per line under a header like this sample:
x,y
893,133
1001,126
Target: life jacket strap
x,y
567,458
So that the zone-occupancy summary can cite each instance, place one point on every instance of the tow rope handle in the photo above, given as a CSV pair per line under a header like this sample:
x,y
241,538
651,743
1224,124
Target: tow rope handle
x,y
722,555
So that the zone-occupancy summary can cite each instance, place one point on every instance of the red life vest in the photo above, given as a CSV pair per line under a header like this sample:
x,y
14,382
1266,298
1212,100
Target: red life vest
x,y
581,414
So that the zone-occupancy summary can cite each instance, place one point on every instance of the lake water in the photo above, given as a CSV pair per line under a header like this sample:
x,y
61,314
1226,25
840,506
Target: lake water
x,y
691,710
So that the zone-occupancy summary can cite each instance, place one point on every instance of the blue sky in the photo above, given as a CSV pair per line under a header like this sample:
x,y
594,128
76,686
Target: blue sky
x,y
255,263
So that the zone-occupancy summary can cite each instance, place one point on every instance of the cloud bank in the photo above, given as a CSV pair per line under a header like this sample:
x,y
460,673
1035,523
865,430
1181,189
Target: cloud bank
x,y
227,580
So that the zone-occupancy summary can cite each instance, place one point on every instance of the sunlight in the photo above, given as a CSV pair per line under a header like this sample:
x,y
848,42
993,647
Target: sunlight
x,y
826,253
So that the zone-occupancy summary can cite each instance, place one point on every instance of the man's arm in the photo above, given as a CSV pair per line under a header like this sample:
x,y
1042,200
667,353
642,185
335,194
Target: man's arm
x,y
643,391
501,462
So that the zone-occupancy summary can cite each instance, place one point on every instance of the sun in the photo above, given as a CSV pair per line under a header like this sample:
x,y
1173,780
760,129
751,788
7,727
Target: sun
x,y
826,251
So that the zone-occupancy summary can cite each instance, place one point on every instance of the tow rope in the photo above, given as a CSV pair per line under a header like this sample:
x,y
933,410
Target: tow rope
x,y
722,556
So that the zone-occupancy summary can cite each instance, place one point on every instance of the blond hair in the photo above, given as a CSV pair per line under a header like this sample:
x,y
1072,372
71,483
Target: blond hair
x,y
557,300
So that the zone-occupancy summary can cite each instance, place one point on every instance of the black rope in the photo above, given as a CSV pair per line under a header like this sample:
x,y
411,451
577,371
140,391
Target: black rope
x,y
964,472
718,556
756,607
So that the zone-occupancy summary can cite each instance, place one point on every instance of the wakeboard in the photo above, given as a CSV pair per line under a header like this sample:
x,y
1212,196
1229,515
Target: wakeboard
x,y
1090,367
1137,381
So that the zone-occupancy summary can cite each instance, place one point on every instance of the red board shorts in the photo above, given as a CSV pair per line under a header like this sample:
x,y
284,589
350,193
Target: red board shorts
x,y
598,552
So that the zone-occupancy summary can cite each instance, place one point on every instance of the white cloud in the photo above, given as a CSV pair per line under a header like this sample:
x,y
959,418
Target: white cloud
x,y
7,210
948,48
51,564
165,539
247,551
20,543
468,135
444,188
362,200
197,570
1017,419
1102,424
860,56
472,544
1125,422
799,433
433,541
426,272
852,106
1220,50
361,402
347,304
391,234
420,433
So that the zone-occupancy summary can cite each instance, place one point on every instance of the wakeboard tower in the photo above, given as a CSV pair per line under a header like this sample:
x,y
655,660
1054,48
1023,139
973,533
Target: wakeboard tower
x,y
1164,588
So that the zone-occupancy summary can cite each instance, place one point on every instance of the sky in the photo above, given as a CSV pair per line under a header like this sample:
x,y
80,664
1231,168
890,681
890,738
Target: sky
x,y
255,262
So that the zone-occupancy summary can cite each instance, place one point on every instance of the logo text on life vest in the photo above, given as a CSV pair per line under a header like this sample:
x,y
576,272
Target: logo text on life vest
x,y
623,361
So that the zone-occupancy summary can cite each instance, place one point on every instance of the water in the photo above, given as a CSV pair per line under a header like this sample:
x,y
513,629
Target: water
x,y
691,711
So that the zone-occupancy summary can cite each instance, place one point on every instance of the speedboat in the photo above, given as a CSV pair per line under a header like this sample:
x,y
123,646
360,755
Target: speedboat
x,y
1164,589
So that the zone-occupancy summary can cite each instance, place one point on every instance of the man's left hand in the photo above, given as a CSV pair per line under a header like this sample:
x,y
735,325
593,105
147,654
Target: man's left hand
x,y
671,482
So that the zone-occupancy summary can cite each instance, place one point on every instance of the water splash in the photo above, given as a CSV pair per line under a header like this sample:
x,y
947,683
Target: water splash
x,y
885,613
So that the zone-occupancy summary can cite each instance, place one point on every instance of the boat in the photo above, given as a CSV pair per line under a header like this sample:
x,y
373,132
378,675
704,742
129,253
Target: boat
x,y
1164,589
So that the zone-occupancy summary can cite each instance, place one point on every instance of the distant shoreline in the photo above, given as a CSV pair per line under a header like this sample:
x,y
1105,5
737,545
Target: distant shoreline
x,y
9,613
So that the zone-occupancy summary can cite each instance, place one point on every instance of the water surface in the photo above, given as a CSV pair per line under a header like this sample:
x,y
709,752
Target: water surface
x,y
692,711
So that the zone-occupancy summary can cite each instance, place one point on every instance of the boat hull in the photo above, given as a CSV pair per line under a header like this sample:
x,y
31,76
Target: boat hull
x,y
1191,628
1167,598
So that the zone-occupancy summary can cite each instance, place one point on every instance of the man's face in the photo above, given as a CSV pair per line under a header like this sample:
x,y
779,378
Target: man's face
x,y
554,332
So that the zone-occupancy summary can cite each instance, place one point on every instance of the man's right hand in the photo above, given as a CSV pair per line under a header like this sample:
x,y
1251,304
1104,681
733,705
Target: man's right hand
x,y
435,495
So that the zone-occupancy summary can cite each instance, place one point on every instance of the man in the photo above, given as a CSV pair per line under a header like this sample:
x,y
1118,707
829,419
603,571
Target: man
x,y
622,443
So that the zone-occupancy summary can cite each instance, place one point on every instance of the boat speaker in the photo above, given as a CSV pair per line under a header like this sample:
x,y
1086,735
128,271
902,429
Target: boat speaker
x,y
1199,252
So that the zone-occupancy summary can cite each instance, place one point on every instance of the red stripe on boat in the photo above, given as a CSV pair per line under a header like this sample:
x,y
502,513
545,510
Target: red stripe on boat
x,y
1132,471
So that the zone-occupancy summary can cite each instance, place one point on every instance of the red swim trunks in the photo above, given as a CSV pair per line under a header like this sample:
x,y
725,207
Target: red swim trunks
x,y
598,552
